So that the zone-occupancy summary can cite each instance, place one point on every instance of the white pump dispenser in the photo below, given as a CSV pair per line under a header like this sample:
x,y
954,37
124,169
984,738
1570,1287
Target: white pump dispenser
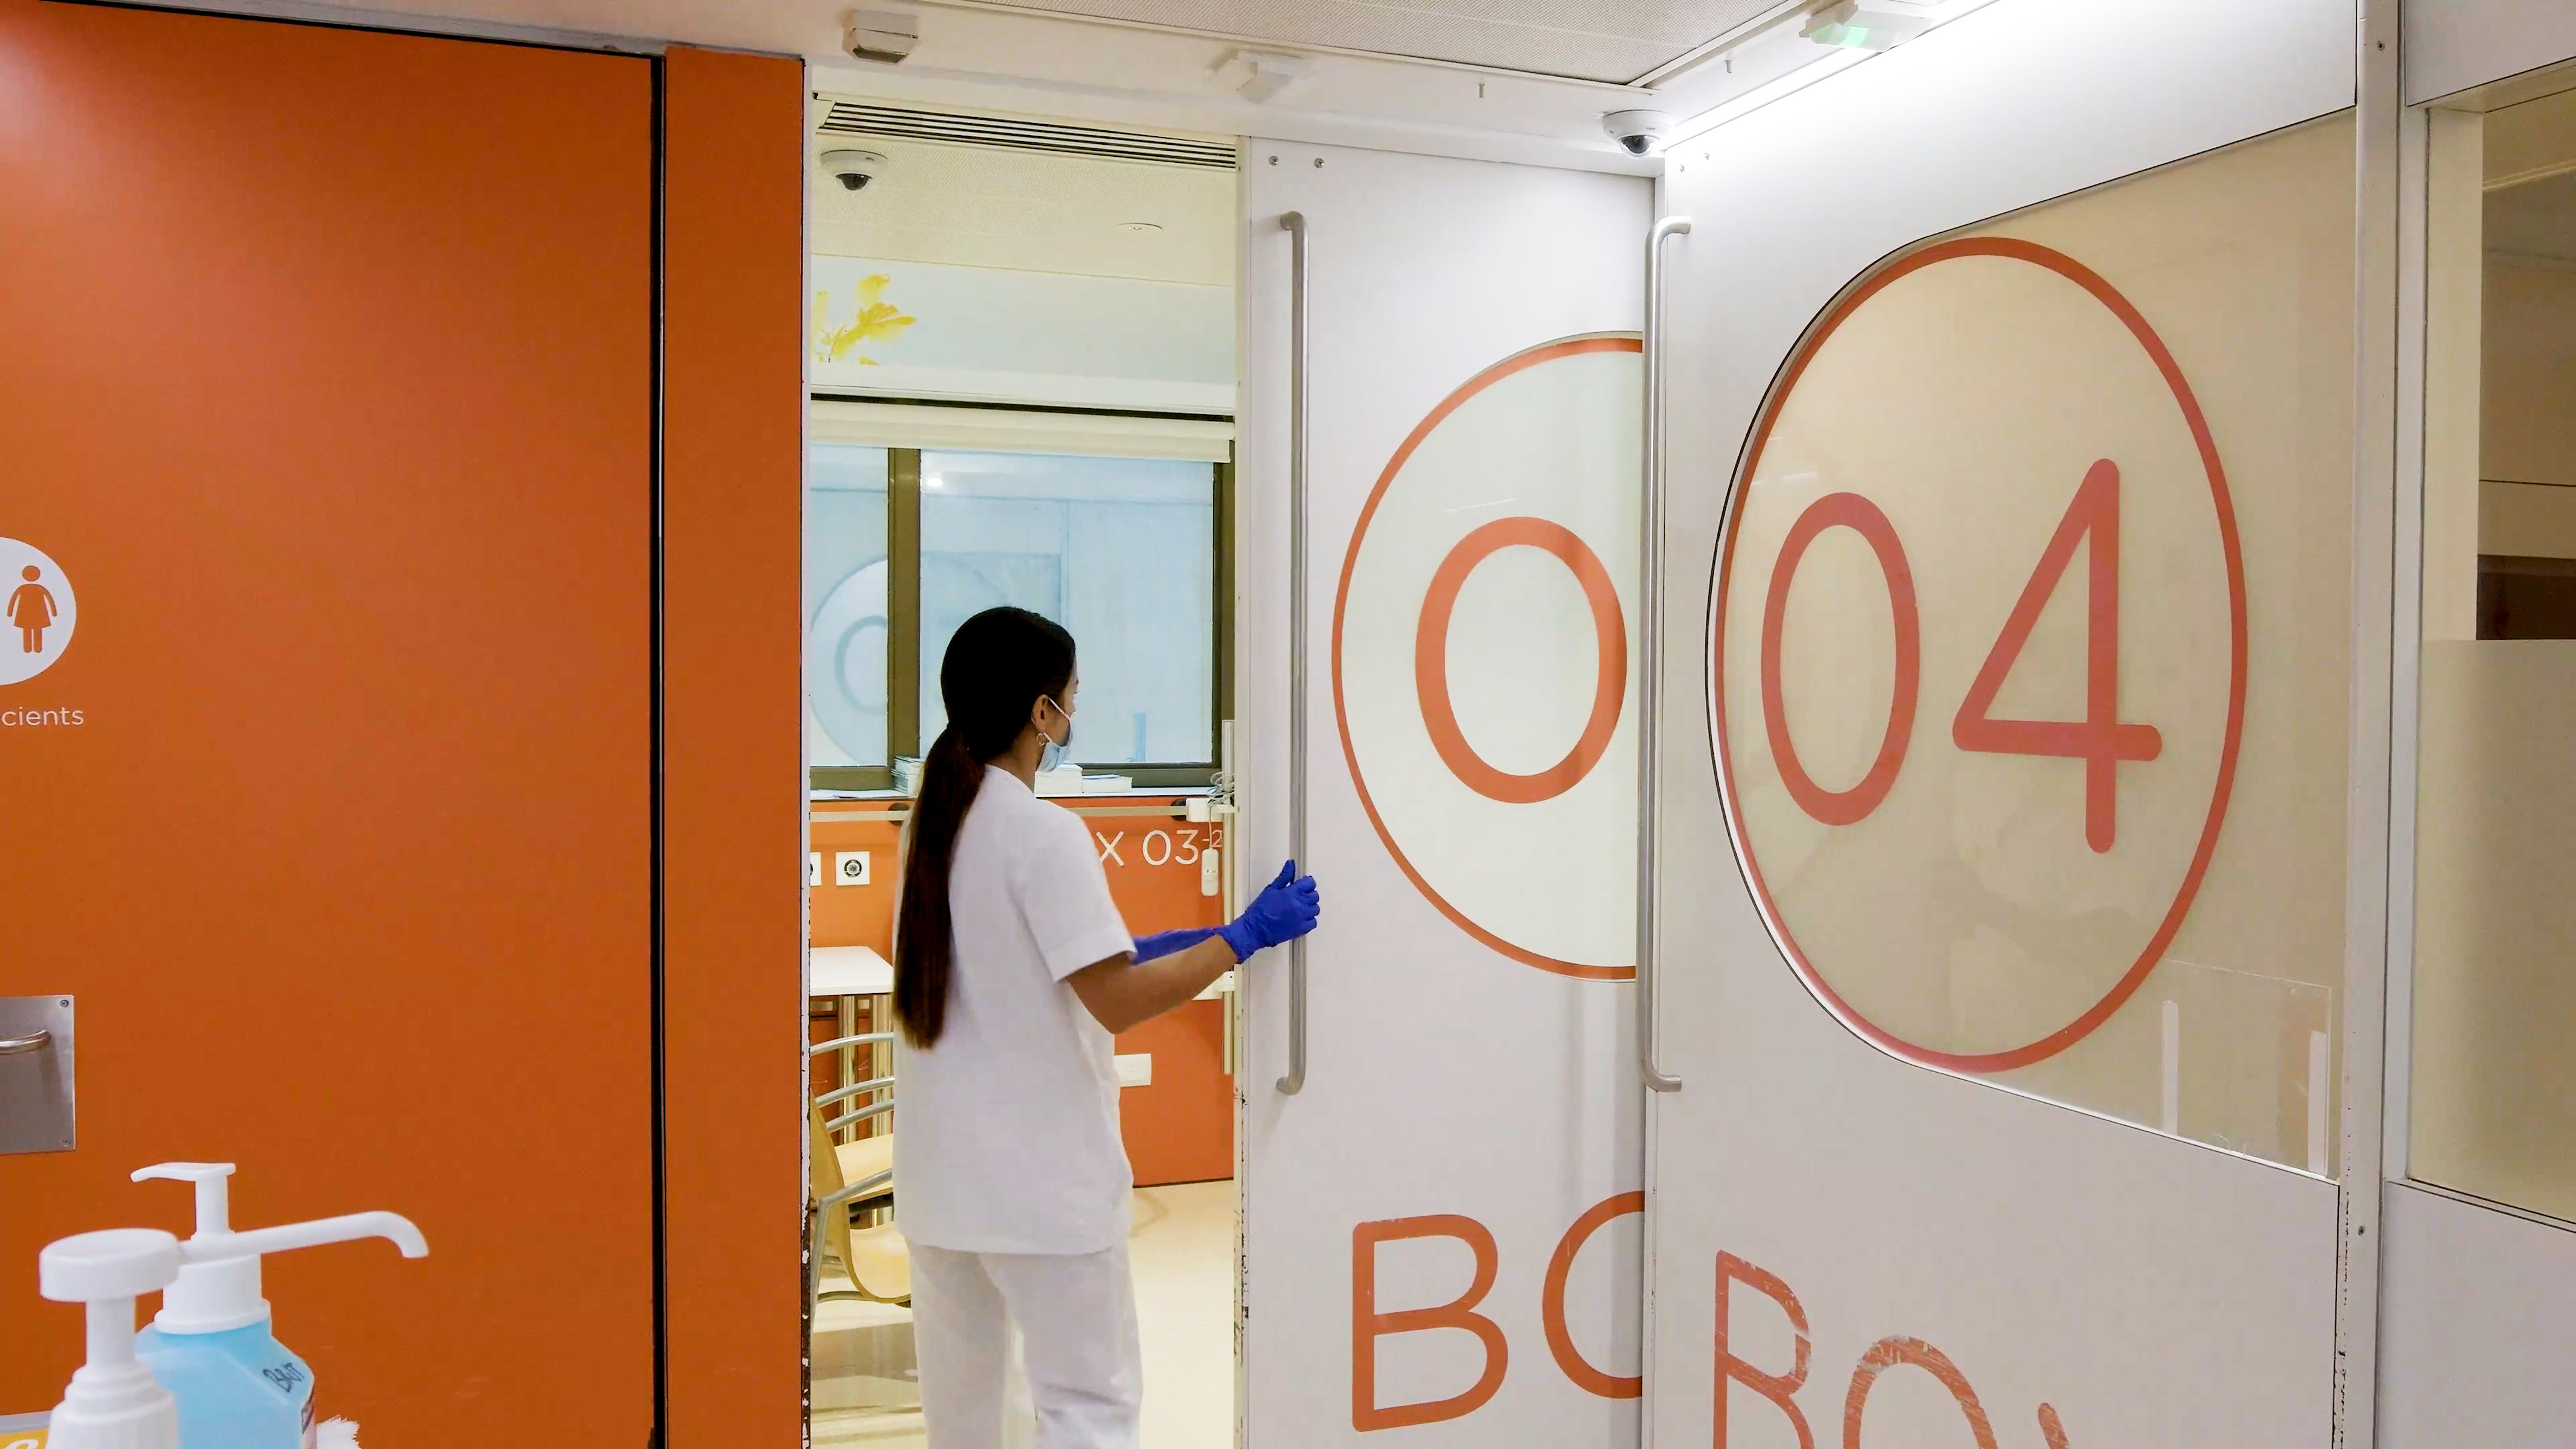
x,y
219,1289
113,1401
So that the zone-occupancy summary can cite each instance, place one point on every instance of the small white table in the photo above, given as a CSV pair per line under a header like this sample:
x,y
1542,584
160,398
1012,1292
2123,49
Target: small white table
x,y
850,972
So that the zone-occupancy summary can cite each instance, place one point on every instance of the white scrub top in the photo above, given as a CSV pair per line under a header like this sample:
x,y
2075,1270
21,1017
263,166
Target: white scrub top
x,y
1007,1138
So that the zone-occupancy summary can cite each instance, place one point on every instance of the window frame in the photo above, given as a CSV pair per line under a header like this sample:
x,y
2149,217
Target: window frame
x,y
903,641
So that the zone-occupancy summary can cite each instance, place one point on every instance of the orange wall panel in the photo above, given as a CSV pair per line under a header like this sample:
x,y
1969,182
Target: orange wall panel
x,y
1152,865
1150,896
1180,1128
857,915
343,438
733,756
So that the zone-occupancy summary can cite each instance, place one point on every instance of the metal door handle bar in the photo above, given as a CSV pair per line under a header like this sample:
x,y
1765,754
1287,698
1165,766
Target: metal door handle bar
x,y
1650,684
1294,223
33,1041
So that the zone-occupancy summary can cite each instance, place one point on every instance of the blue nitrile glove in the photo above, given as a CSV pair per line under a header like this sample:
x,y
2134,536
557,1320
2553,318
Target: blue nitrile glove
x,y
1285,910
1165,943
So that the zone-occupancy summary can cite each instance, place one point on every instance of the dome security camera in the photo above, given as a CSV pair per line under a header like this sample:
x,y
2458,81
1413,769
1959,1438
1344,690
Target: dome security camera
x,y
855,170
1637,132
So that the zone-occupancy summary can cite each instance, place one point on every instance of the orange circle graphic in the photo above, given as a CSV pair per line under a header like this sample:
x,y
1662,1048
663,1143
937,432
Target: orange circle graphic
x,y
2231,549
1517,362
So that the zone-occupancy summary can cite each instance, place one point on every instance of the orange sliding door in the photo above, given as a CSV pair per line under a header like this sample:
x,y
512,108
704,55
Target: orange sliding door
x,y
734,748
328,398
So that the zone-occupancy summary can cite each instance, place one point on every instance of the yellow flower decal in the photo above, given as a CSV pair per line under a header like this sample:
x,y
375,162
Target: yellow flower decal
x,y
873,320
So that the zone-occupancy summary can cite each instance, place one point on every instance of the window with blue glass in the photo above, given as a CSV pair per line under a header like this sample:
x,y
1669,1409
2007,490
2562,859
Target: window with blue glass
x,y
903,545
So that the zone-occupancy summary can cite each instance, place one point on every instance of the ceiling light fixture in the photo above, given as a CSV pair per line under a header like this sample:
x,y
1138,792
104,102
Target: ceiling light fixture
x,y
1141,228
1842,50
1850,27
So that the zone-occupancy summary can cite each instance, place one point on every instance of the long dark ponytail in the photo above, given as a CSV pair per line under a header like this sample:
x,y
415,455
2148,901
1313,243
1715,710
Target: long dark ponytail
x,y
998,664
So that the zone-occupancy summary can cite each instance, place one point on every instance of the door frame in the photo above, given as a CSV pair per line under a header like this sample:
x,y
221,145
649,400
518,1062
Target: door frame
x,y
2410,147
2380,139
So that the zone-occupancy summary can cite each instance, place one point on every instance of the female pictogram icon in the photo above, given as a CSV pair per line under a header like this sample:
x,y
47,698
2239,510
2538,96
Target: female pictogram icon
x,y
39,605
32,608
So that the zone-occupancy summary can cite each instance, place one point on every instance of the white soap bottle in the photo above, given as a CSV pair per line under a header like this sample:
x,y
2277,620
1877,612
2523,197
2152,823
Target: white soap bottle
x,y
237,1387
113,1402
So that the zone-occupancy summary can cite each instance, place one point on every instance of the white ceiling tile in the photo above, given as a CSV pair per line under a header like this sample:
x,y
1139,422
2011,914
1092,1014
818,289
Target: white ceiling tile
x,y
981,206
1589,39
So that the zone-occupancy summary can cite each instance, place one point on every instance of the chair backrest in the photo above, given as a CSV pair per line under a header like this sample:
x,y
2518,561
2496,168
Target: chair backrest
x,y
826,1180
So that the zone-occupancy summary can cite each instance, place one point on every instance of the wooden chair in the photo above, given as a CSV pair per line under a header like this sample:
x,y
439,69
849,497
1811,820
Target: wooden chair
x,y
876,1260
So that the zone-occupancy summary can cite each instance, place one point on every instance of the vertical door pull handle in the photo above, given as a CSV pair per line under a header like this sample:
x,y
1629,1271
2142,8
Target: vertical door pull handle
x,y
1650,684
1294,223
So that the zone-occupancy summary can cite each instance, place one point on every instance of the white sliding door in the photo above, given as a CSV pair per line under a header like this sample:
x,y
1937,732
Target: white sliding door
x,y
2006,784
1441,1223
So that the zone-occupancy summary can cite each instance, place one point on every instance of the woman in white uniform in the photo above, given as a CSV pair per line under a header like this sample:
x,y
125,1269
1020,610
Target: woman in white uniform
x,y
1012,971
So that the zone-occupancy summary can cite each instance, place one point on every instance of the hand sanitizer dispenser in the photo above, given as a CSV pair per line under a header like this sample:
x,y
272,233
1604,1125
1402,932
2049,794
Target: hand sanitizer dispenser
x,y
237,1387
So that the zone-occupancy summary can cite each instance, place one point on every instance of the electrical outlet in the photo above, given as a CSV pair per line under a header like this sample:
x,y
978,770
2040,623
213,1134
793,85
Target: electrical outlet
x,y
1135,1069
850,867
813,868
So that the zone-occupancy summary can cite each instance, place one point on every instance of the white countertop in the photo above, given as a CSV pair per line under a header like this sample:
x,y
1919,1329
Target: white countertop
x,y
850,971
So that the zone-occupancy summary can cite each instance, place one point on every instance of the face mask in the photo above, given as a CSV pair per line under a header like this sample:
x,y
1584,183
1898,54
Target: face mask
x,y
1053,754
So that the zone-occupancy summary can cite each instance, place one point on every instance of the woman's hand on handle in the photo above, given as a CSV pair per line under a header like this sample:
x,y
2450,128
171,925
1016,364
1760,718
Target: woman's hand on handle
x,y
1172,967
1286,909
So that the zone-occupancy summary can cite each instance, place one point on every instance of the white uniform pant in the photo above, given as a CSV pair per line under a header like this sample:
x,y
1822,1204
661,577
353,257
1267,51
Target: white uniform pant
x,y
1077,1320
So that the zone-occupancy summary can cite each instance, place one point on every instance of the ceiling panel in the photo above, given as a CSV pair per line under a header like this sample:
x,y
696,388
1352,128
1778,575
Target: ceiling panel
x,y
1587,39
1029,211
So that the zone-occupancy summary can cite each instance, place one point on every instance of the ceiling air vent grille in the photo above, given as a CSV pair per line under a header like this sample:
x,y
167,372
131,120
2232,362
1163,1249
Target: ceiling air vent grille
x,y
851,118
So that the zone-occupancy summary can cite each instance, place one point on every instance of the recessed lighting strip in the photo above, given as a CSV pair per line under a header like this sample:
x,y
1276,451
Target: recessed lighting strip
x,y
1831,59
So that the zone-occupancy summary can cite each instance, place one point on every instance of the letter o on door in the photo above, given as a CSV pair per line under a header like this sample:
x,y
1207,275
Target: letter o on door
x,y
1560,1340
1431,660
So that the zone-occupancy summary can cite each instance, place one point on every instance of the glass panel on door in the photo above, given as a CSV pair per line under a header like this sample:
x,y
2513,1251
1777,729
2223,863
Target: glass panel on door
x,y
2493,1108
2027,676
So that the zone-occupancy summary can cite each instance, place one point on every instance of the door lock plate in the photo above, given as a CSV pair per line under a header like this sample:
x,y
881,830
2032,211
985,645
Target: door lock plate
x,y
36,1103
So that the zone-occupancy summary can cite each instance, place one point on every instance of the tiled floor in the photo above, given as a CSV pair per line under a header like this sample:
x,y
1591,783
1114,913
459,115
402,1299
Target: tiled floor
x,y
1183,1249
1182,1246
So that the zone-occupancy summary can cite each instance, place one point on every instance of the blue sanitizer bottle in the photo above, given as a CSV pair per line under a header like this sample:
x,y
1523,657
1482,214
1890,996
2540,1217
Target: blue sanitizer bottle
x,y
211,1345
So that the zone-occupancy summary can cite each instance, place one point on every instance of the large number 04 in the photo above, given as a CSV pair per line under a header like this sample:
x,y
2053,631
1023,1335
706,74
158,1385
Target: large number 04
x,y
2100,739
